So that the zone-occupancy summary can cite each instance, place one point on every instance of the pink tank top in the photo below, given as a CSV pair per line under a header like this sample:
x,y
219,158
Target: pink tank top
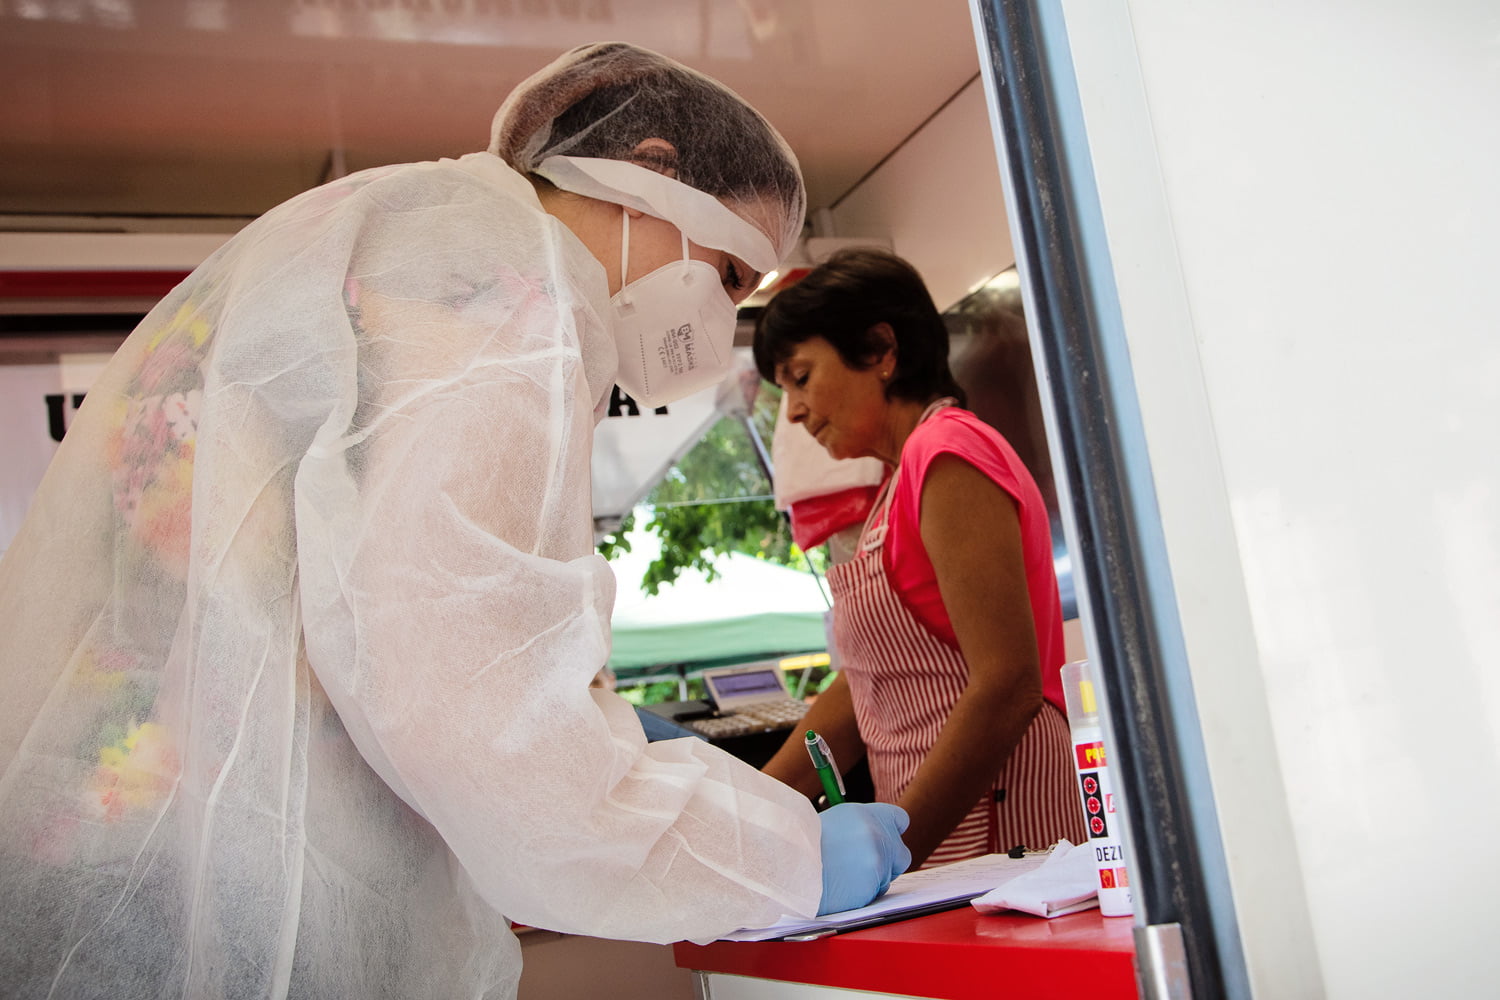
x,y
954,431
904,682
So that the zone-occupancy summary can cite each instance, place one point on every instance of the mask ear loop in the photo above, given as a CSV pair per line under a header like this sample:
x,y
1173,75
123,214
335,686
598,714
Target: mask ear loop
x,y
625,255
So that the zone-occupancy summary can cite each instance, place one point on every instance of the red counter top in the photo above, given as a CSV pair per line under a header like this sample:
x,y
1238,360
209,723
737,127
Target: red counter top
x,y
956,955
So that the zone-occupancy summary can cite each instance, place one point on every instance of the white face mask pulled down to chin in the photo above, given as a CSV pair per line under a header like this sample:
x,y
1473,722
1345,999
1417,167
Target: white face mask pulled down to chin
x,y
674,327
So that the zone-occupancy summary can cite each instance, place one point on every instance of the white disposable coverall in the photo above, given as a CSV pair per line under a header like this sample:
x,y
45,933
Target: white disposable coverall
x,y
311,732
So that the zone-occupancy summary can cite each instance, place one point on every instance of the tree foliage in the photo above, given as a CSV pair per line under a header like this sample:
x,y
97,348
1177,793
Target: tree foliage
x,y
715,501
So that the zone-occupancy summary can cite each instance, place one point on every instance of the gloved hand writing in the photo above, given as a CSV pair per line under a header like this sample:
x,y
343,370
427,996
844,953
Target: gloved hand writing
x,y
862,852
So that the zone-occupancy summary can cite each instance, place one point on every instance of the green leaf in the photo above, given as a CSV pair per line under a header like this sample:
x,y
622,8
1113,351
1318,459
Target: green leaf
x,y
715,501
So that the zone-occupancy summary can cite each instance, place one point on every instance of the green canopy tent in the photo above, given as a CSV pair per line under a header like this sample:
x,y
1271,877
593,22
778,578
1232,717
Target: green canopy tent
x,y
752,610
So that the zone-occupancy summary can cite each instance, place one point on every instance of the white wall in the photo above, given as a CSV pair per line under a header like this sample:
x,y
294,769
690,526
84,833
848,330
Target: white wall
x,y
26,442
105,251
1301,207
939,201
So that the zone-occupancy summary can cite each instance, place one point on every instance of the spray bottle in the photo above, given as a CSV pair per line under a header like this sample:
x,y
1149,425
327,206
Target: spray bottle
x,y
1096,789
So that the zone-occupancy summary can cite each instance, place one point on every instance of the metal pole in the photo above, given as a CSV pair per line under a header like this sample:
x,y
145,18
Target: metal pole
x,y
1135,637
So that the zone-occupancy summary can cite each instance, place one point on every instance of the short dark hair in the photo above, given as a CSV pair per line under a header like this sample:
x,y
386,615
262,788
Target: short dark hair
x,y
842,300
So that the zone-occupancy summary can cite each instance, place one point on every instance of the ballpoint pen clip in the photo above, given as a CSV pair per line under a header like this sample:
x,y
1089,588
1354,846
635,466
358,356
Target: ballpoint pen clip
x,y
815,748
823,763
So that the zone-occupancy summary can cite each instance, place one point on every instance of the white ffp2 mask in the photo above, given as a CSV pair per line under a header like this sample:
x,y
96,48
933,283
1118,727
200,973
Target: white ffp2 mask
x,y
673,328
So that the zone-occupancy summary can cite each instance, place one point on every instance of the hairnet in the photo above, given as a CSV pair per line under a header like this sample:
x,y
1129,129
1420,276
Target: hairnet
x,y
601,101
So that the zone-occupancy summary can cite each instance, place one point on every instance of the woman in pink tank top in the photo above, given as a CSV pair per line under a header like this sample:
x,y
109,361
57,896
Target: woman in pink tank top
x,y
947,618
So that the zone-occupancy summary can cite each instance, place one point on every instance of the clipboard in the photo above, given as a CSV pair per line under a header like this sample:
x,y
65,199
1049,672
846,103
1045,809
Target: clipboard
x,y
879,920
915,894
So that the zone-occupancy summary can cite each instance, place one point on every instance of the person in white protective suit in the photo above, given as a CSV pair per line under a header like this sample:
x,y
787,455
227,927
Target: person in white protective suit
x,y
299,631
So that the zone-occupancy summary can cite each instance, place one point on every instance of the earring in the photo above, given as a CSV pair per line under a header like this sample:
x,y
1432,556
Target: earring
x,y
885,375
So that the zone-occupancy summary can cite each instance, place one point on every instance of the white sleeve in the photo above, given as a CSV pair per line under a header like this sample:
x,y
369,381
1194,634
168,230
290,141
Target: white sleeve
x,y
455,622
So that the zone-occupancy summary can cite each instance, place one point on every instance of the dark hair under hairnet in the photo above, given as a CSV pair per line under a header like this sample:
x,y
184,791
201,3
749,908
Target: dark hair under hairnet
x,y
602,100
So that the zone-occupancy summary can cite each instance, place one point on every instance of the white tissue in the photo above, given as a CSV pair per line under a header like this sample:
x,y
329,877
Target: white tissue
x,y
1066,882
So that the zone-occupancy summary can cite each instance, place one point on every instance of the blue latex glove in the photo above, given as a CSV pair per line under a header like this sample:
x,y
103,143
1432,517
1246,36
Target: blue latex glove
x,y
862,852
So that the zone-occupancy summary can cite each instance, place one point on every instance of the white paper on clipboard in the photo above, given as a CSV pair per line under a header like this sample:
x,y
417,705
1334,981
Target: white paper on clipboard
x,y
909,895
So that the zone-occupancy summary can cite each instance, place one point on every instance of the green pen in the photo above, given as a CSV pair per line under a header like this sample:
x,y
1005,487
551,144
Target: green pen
x,y
828,771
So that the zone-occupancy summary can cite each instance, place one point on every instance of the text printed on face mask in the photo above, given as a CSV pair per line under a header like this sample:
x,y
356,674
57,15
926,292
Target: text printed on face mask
x,y
678,350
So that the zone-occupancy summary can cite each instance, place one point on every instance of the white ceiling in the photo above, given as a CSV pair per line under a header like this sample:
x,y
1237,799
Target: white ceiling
x,y
227,107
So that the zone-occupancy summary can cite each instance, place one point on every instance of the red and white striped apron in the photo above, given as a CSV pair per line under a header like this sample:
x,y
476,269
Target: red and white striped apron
x,y
905,682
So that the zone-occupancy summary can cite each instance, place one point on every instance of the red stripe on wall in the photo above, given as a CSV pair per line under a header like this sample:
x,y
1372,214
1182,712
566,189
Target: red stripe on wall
x,y
88,284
